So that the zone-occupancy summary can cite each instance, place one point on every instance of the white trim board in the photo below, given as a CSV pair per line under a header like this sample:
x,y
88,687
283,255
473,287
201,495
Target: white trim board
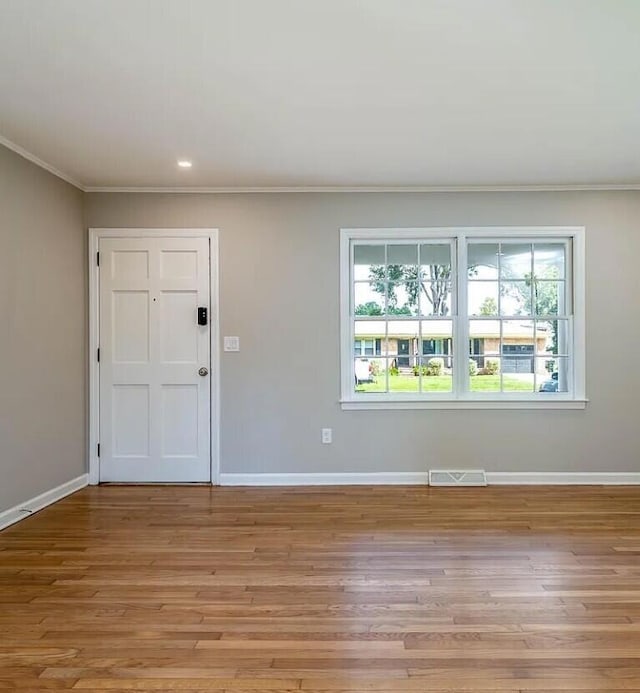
x,y
29,507
572,238
224,190
95,234
325,479
564,478
21,151
231,190
422,478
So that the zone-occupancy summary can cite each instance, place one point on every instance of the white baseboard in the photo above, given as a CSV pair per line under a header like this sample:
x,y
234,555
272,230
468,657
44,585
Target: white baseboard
x,y
413,478
29,507
330,479
564,478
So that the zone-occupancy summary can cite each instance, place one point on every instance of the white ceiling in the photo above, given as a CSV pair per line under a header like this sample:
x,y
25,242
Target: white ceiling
x,y
325,92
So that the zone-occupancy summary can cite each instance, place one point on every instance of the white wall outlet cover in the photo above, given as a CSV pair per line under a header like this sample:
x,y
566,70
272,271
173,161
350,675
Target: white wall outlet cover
x,y
231,344
327,436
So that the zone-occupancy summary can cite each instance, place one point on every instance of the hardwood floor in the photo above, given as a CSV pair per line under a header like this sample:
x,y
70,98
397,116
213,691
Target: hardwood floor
x,y
324,590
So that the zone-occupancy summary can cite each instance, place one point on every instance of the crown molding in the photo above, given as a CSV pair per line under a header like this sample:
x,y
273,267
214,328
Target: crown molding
x,y
235,190
364,189
39,162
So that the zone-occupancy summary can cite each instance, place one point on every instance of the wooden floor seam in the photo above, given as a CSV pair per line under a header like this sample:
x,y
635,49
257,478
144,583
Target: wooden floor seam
x,y
324,590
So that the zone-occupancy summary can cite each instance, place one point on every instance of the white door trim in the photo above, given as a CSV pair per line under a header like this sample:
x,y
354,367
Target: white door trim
x,y
94,334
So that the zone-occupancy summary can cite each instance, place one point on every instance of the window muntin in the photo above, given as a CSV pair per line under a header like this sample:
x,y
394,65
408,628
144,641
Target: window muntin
x,y
516,322
402,295
518,310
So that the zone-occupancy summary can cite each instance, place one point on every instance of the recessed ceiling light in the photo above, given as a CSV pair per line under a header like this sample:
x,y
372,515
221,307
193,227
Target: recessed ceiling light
x,y
184,163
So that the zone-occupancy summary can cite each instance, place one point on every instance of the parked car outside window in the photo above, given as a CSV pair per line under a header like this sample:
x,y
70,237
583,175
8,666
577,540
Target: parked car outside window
x,y
550,385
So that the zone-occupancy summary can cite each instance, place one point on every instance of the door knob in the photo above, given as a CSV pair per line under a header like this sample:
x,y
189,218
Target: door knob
x,y
203,371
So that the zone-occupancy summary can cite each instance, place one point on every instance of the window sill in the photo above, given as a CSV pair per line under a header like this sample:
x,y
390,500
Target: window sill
x,y
351,405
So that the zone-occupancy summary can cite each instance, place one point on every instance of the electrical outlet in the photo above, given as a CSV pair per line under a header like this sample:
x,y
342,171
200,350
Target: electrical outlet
x,y
326,436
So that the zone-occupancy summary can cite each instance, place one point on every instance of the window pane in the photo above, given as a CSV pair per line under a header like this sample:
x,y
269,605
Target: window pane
x,y
517,332
369,375
402,279
436,347
435,276
435,258
368,330
435,297
362,370
515,298
517,352
404,380
366,301
436,372
549,260
403,300
553,337
482,260
367,258
546,336
437,341
552,374
403,342
487,378
404,256
517,382
483,298
549,296
515,260
484,335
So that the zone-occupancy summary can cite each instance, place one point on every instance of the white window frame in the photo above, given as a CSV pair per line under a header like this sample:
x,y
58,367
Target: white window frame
x,y
461,398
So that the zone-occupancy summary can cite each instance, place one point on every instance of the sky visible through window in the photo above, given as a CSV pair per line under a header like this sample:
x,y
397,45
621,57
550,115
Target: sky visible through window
x,y
483,282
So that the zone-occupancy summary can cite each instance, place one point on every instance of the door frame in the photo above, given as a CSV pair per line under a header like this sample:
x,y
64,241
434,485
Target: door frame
x,y
95,234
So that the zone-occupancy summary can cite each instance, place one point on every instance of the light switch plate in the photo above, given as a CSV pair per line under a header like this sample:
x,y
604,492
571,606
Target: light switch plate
x,y
232,344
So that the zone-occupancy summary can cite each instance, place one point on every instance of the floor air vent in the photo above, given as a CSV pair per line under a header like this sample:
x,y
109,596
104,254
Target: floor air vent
x,y
457,477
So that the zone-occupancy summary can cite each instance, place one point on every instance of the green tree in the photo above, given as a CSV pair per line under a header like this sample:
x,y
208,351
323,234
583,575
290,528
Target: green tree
x,y
433,284
489,306
369,308
538,295
372,308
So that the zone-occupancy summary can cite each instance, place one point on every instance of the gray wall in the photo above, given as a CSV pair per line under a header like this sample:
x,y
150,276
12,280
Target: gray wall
x,y
279,293
42,333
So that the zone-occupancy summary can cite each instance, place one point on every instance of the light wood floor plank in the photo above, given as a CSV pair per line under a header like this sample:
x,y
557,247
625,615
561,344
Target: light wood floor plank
x,y
324,590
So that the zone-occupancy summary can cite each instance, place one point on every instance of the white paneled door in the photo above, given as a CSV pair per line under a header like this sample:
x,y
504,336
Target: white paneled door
x,y
155,392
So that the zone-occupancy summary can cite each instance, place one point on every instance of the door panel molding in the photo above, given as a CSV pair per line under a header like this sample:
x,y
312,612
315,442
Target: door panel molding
x,y
95,235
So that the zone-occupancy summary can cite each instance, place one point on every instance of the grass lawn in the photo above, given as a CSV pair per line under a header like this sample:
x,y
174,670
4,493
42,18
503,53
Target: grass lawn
x,y
442,383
